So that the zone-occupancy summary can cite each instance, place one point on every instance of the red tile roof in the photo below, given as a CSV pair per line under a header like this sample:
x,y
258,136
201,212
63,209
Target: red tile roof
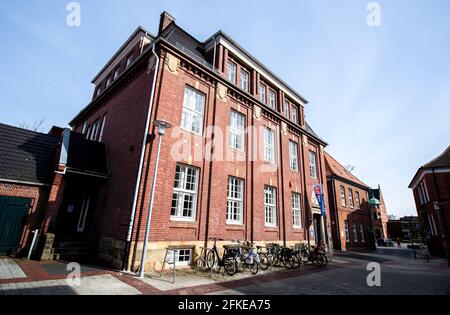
x,y
333,167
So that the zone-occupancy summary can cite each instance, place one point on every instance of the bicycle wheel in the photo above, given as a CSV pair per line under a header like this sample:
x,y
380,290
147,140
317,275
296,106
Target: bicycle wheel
x,y
264,262
287,261
213,261
229,264
296,261
322,260
253,267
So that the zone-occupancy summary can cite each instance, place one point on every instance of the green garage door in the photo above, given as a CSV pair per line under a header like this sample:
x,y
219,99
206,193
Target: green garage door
x,y
12,214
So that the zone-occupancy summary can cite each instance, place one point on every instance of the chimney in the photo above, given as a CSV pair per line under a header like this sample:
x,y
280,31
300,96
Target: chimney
x,y
165,20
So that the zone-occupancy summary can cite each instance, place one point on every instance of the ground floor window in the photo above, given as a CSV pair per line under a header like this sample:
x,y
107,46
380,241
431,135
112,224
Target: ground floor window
x,y
182,256
347,234
184,198
270,206
355,232
296,211
361,232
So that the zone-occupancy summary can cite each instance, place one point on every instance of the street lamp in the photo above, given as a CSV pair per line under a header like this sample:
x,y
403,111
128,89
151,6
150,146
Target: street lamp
x,y
162,126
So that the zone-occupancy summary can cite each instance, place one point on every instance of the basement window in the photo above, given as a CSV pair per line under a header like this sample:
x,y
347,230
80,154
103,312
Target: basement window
x,y
183,257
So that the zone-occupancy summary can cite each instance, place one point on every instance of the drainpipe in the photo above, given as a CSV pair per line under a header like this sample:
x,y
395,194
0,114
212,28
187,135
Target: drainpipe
x,y
141,162
442,217
214,56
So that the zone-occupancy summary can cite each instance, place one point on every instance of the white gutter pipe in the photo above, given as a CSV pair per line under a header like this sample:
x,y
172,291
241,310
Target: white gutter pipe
x,y
141,162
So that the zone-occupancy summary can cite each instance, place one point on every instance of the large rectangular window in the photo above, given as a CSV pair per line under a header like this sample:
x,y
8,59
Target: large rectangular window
x,y
312,164
102,128
355,232
245,80
184,199
350,198
237,128
361,232
262,93
296,211
232,72
270,207
235,200
343,202
347,233
269,145
293,154
272,99
95,130
357,200
193,110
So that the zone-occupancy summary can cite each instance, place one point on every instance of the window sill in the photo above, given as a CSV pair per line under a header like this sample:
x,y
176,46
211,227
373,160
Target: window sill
x,y
181,220
192,132
231,224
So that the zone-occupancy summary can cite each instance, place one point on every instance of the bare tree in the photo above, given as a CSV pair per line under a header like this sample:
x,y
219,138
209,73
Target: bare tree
x,y
37,125
350,168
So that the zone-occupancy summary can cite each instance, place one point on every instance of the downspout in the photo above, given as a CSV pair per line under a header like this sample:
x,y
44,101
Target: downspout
x,y
282,189
306,190
215,50
141,162
336,216
442,215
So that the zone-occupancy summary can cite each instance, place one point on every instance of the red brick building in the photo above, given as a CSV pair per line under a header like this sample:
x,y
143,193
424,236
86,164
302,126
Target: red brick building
x,y
239,163
431,189
351,214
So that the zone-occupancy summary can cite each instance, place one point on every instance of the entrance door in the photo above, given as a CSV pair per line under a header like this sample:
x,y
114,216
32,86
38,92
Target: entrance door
x,y
13,211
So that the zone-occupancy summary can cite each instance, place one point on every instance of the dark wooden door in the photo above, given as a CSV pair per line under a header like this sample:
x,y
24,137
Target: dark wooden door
x,y
13,211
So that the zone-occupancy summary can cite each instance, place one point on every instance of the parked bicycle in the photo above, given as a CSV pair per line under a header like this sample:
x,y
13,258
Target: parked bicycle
x,y
215,262
312,254
246,257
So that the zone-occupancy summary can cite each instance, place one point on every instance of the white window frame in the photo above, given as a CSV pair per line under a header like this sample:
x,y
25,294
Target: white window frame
x,y
237,131
102,128
269,145
287,109
235,200
263,92
270,206
272,99
130,60
84,129
181,192
191,109
185,253
312,164
296,211
361,232
343,197
294,113
231,73
347,231
355,232
350,198
95,130
116,73
357,200
244,84
293,155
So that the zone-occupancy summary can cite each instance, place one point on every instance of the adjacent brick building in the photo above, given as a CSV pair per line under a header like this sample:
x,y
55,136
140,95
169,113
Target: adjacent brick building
x,y
431,189
351,214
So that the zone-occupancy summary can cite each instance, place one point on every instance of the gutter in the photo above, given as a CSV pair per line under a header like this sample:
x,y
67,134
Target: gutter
x,y
141,162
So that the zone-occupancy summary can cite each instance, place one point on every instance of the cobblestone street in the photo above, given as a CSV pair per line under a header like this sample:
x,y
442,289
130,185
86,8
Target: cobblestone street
x,y
346,274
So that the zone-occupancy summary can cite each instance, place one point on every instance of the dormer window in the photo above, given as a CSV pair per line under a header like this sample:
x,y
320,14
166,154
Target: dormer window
x,y
272,99
130,60
294,114
108,82
99,90
245,78
232,72
286,109
262,93
116,73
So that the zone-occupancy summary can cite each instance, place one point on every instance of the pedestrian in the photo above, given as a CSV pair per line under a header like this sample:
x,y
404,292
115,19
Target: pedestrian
x,y
399,243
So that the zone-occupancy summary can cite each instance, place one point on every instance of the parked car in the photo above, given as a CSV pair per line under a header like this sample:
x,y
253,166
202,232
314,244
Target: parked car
x,y
385,242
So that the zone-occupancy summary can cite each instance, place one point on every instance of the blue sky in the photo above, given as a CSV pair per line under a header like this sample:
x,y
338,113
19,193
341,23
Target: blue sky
x,y
380,96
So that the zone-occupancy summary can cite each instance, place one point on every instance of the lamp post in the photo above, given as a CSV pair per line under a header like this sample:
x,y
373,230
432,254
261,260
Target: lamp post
x,y
162,126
